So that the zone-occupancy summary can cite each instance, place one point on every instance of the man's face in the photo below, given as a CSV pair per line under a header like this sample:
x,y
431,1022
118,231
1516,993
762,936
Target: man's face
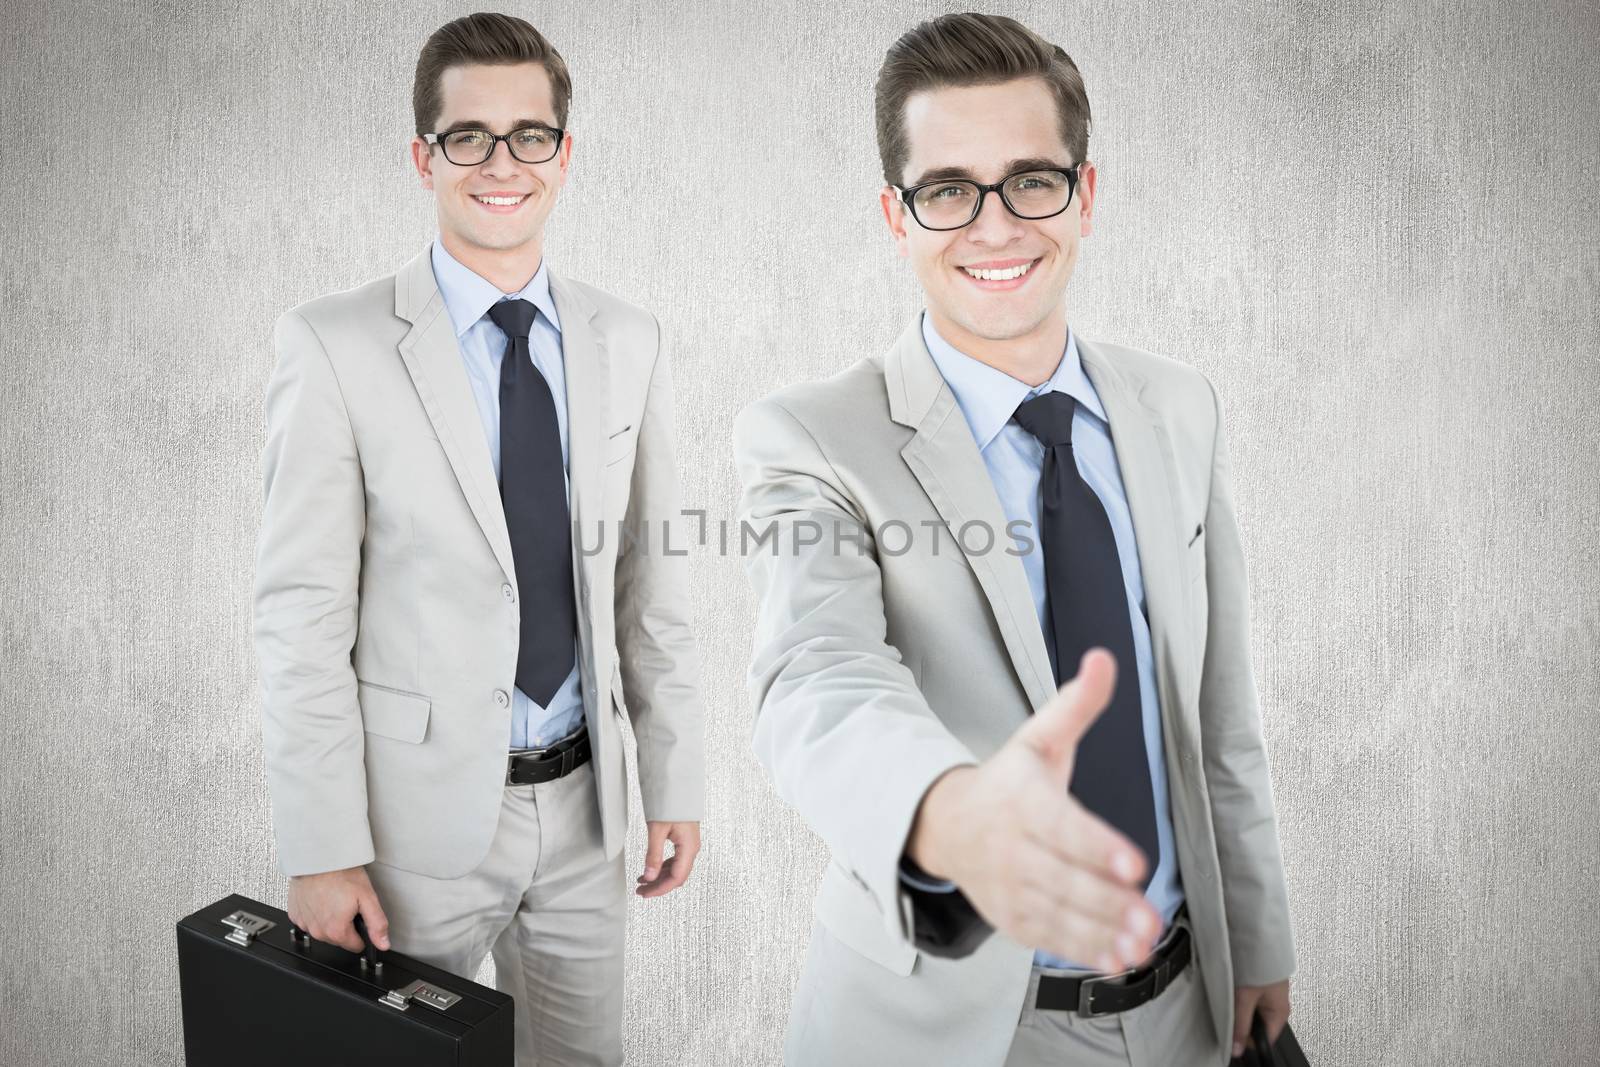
x,y
498,99
985,133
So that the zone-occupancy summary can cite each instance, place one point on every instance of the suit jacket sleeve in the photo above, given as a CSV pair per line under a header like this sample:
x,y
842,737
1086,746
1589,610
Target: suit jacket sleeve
x,y
657,656
308,566
841,727
1254,892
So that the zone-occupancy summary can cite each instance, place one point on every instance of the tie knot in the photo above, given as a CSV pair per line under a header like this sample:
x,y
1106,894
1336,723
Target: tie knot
x,y
515,317
1048,417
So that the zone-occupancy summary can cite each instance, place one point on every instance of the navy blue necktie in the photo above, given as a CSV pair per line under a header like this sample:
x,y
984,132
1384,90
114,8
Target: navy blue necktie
x,y
534,493
1089,606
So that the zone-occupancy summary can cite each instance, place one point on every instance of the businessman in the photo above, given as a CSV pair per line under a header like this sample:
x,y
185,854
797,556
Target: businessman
x,y
467,465
1023,872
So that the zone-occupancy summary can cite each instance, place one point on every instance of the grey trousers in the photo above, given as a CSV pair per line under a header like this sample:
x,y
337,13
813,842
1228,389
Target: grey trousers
x,y
549,905
1173,1030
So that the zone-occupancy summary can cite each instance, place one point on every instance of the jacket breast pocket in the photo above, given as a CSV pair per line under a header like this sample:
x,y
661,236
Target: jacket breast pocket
x,y
620,445
1196,555
847,910
393,713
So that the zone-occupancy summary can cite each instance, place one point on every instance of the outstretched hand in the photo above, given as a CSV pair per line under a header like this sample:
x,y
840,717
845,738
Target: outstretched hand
x,y
1037,865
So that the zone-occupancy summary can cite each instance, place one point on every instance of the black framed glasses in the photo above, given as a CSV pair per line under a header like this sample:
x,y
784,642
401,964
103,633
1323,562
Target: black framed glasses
x,y
951,203
470,147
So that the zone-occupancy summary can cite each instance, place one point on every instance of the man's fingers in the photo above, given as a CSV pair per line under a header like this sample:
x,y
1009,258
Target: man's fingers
x,y
655,845
665,882
1121,910
683,857
348,938
1043,922
1055,729
1244,1008
1079,836
1121,917
1274,1011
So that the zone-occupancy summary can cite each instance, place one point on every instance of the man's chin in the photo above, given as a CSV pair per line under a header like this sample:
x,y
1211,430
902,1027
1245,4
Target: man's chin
x,y
497,240
991,325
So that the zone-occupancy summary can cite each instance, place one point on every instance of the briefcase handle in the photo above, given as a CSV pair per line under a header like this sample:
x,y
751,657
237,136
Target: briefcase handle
x,y
370,960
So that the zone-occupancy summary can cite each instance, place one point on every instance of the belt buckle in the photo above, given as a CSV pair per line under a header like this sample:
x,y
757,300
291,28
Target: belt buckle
x,y
534,754
1086,989
1161,973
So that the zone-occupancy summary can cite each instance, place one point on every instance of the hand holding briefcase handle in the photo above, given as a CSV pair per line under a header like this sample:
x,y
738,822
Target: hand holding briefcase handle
x,y
371,963
323,906
1285,1052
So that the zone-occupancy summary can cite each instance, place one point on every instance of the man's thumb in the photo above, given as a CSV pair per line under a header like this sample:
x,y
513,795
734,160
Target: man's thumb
x,y
1055,729
377,922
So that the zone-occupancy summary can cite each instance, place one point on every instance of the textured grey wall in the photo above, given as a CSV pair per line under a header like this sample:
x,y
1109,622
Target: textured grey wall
x,y
1373,224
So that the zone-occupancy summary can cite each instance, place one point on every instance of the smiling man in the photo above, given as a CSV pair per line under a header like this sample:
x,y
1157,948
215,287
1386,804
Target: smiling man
x,y
449,619
1023,872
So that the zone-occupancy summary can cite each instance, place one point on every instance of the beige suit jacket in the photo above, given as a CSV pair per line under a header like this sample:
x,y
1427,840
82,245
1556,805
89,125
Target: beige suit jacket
x,y
876,671
386,613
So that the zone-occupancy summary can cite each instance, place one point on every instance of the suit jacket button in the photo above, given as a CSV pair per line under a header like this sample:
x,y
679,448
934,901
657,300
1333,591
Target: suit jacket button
x,y
501,698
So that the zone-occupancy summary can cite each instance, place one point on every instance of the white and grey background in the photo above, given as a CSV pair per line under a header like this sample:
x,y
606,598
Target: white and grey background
x,y
1374,225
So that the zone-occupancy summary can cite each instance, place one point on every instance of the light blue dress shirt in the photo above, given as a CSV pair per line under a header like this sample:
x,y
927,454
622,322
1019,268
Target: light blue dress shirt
x,y
468,297
1015,459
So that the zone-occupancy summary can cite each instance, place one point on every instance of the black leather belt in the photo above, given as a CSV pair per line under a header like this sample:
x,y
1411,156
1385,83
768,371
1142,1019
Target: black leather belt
x,y
547,764
1108,993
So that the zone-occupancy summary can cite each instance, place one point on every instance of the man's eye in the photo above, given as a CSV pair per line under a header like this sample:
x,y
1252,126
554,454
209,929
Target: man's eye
x,y
1034,183
469,138
534,136
948,192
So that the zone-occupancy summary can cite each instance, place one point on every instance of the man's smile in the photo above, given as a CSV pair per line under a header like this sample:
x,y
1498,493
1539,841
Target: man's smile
x,y
501,203
999,274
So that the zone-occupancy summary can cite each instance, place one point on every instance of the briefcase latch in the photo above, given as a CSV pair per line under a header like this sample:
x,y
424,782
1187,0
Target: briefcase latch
x,y
422,993
246,927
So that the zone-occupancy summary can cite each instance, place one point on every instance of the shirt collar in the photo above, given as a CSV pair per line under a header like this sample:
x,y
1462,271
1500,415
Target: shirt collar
x,y
989,397
468,295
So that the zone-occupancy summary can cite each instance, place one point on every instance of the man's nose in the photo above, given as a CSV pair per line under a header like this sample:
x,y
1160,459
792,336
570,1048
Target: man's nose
x,y
995,224
500,160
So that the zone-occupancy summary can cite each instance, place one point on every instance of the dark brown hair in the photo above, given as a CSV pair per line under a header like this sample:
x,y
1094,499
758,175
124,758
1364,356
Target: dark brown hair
x,y
492,39
972,49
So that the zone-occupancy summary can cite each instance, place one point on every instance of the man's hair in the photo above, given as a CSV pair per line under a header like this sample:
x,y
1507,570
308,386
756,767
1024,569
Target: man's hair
x,y
971,49
488,38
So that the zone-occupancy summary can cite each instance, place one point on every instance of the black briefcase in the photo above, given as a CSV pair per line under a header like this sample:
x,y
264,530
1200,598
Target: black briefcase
x,y
260,992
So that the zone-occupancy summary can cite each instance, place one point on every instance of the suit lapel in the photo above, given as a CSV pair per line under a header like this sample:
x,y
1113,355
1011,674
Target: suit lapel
x,y
433,358
587,366
945,460
1149,476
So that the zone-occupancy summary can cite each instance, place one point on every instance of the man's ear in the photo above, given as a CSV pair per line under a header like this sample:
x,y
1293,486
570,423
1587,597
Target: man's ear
x,y
894,213
1084,195
564,156
422,159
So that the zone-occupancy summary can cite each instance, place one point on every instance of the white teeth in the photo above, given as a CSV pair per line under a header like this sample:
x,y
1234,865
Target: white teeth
x,y
500,201
1004,275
